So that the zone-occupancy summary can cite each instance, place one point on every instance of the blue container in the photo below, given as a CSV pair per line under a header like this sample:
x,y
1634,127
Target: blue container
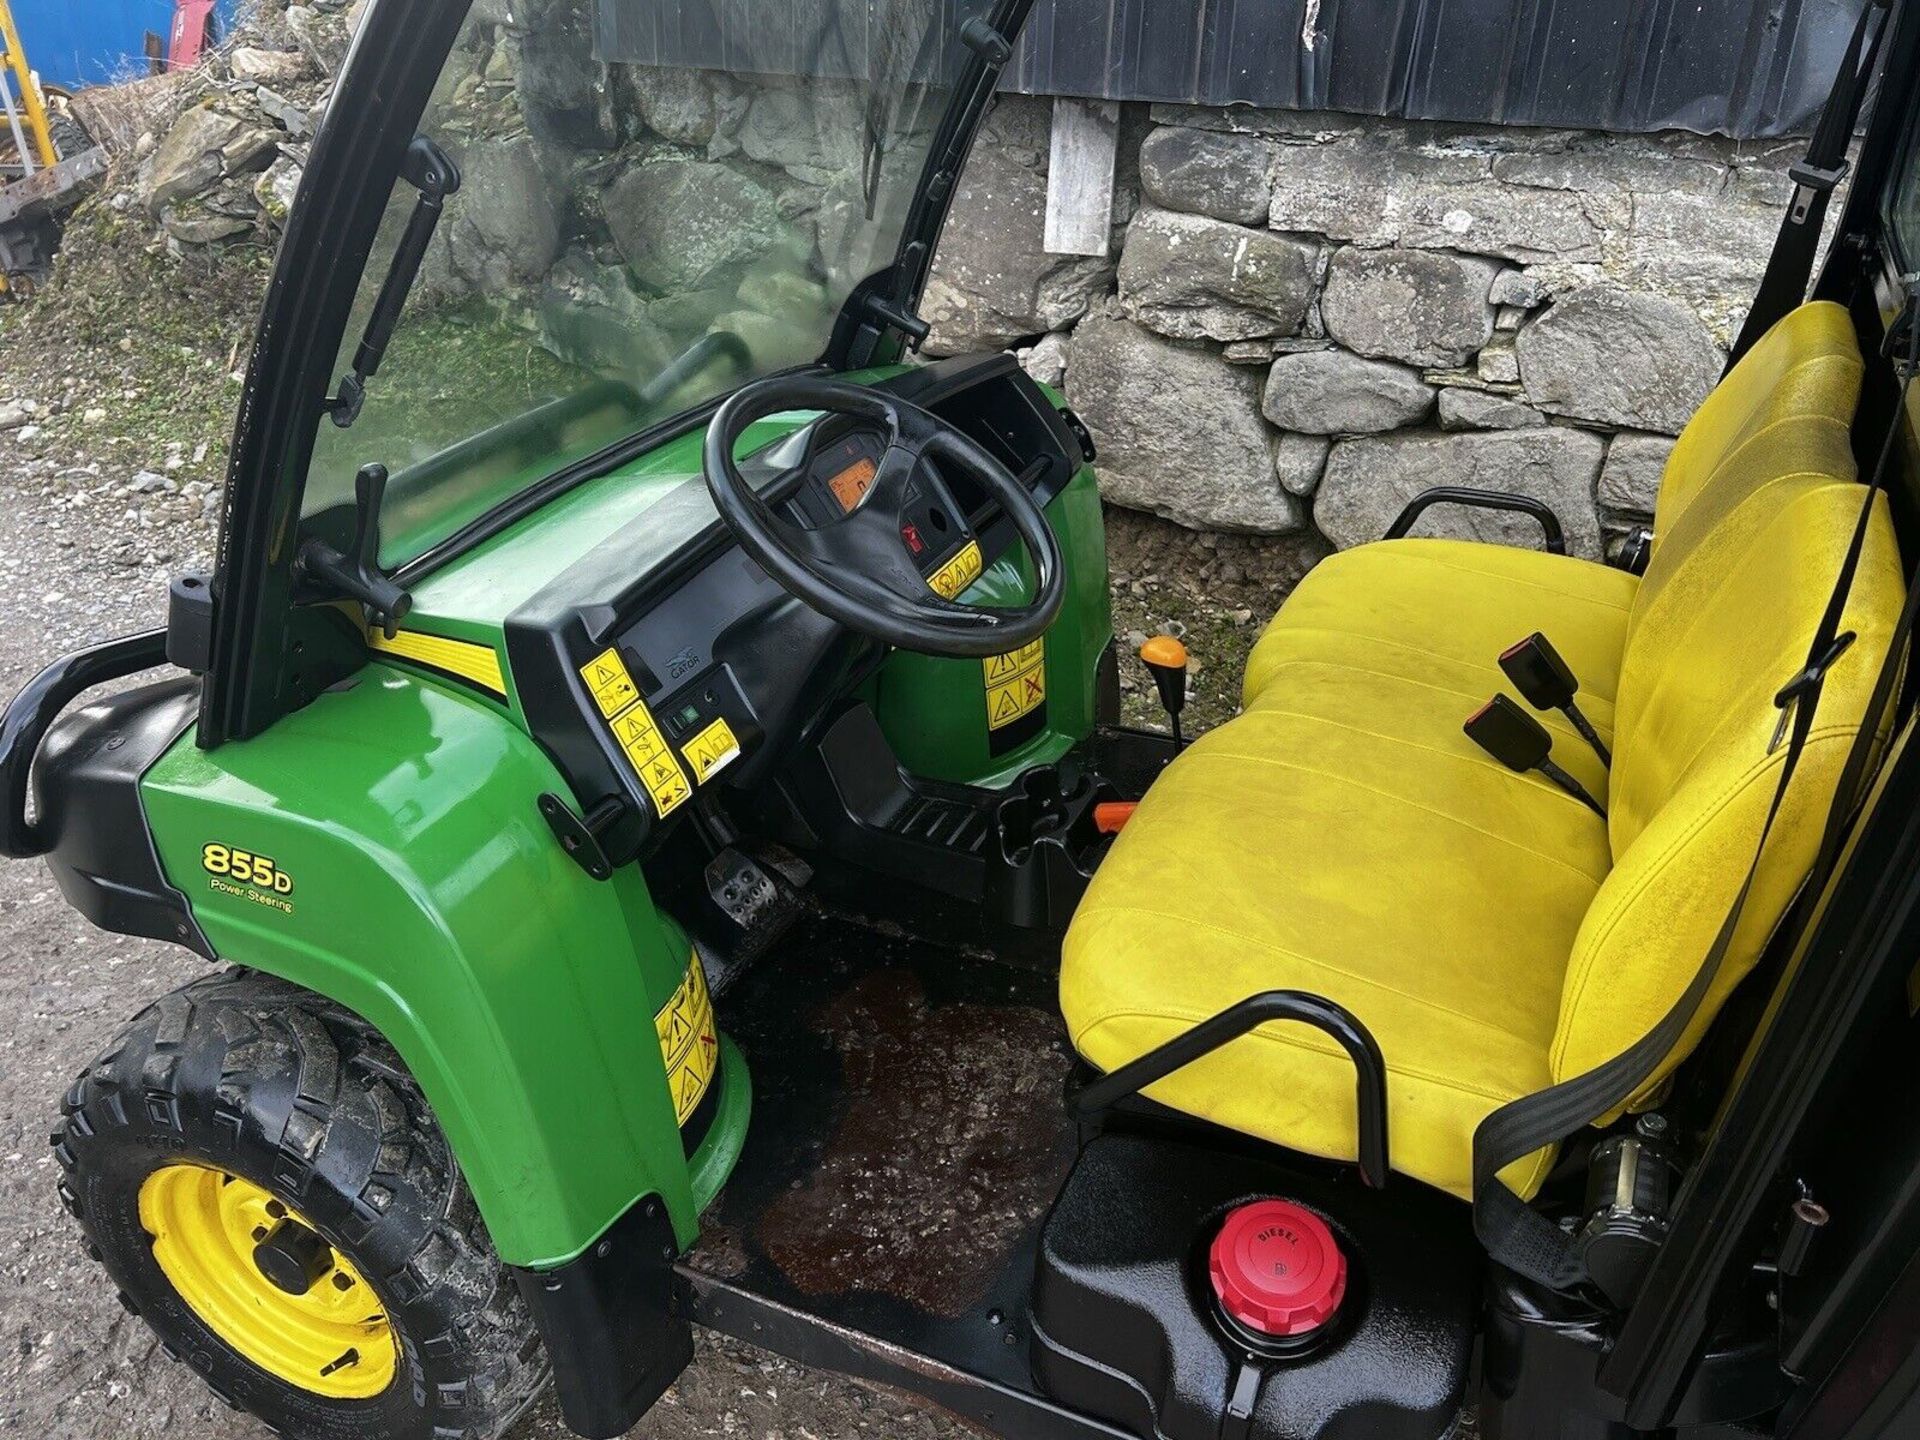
x,y
94,42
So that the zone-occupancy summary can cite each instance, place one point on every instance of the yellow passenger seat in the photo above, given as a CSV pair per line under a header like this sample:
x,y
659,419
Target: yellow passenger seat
x,y
1343,836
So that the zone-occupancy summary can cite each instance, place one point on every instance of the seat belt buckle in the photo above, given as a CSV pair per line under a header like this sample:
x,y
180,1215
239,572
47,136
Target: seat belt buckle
x,y
1521,743
1811,180
1546,682
1805,686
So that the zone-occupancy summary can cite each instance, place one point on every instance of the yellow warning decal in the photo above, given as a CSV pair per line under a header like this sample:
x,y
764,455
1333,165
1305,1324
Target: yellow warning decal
x,y
609,683
635,732
1016,684
479,664
711,751
958,573
689,1042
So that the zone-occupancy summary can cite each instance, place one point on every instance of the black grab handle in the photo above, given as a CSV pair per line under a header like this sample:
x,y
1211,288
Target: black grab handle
x,y
1481,500
35,709
1370,1091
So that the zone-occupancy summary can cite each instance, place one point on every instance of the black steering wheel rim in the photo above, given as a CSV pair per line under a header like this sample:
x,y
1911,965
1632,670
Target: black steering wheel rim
x,y
857,570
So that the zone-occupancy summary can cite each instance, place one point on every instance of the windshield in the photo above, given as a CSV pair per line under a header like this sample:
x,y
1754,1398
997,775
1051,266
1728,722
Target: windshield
x,y
659,200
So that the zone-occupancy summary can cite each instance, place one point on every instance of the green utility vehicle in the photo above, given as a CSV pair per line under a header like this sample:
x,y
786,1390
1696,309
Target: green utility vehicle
x,y
646,773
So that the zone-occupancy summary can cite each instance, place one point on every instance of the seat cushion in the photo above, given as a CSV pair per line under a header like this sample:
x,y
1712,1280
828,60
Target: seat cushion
x,y
1437,614
1343,836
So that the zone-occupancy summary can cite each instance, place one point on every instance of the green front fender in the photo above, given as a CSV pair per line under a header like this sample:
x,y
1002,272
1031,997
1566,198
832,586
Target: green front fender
x,y
425,892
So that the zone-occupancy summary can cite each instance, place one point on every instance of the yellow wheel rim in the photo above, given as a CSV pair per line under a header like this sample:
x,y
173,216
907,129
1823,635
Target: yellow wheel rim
x,y
333,1339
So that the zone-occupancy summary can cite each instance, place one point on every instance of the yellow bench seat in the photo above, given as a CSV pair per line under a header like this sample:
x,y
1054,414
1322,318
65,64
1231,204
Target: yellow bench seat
x,y
1343,836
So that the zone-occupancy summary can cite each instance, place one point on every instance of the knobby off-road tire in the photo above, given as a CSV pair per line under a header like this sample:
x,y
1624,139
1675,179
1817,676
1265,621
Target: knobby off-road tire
x,y
263,1081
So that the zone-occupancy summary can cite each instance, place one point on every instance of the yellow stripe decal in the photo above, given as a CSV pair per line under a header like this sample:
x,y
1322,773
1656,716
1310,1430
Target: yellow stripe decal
x,y
478,663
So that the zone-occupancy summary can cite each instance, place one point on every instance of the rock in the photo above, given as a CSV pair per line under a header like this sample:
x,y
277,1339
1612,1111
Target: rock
x,y
147,482
1333,392
202,228
505,227
1499,363
1299,461
296,120
190,159
993,281
1370,479
1630,479
1229,177
275,189
1463,409
321,36
684,106
1194,278
1518,288
1421,306
1179,432
1247,352
560,83
1377,188
268,67
1046,361
1619,357
14,414
1508,319
811,129
686,225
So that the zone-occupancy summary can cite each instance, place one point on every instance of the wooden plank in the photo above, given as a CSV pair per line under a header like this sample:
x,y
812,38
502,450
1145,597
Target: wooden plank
x,y
1080,176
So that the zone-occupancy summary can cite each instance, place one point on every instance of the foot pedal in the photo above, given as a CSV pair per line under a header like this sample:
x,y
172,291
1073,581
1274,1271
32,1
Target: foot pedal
x,y
761,902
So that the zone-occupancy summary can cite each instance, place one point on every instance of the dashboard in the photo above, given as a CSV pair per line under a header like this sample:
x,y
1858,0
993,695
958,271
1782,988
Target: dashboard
x,y
667,661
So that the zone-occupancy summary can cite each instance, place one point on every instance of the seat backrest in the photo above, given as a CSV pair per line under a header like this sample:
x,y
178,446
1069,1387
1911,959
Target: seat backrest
x,y
1756,510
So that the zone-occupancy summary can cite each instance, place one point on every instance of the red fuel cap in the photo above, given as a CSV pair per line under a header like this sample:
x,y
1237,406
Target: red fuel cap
x,y
1277,1269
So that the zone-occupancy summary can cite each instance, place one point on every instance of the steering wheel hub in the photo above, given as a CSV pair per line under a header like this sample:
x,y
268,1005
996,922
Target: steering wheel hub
x,y
865,568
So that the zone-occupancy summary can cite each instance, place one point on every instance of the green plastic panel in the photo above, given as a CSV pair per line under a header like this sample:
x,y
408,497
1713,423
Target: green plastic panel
x,y
425,893
935,711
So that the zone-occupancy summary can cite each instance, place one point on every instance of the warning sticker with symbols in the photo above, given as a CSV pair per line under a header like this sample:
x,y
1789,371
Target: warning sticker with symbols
x,y
689,1042
607,678
635,732
711,751
1016,684
958,573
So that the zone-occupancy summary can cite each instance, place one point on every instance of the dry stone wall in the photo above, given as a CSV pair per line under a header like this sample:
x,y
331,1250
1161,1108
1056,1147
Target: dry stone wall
x,y
1307,319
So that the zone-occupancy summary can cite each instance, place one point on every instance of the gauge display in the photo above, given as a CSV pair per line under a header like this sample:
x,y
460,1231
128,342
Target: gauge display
x,y
850,486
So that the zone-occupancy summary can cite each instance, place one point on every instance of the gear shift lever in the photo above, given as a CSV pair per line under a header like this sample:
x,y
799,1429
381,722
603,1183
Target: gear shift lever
x,y
1166,658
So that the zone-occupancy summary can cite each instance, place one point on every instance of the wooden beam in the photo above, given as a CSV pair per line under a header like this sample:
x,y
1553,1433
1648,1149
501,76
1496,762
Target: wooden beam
x,y
1080,176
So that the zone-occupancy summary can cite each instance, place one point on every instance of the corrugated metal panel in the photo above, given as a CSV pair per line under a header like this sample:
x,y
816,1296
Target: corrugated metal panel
x,y
94,42
1736,67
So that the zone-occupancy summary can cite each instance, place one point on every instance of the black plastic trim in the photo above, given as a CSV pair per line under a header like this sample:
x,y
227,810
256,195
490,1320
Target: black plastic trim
x,y
39,704
609,1324
86,790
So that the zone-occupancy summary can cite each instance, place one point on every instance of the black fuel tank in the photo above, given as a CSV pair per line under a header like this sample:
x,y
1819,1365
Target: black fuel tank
x,y
1125,1324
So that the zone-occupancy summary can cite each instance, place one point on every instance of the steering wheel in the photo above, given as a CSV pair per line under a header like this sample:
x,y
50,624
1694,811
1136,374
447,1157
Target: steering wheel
x,y
861,568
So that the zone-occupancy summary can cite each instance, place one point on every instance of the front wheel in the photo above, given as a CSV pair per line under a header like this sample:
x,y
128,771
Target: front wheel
x,y
264,1183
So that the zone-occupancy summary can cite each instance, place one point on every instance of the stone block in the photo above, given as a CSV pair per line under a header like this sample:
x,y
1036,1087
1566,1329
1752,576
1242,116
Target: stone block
x,y
1204,172
1300,461
1619,357
1463,409
1335,392
1422,307
1630,478
1179,430
1194,278
1370,479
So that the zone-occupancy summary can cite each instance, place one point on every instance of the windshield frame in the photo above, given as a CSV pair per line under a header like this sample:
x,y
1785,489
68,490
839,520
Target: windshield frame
x,y
270,653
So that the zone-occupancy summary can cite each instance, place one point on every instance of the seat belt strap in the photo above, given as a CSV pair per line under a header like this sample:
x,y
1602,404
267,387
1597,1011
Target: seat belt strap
x,y
1513,1232
1783,288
